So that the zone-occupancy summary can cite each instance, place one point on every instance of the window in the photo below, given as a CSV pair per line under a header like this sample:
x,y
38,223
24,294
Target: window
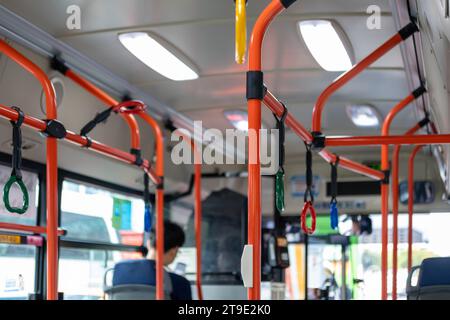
x,y
81,272
17,271
94,214
430,239
32,183
101,225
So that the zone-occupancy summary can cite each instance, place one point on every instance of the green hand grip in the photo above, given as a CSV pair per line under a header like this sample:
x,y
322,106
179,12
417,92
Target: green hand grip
x,y
7,189
279,190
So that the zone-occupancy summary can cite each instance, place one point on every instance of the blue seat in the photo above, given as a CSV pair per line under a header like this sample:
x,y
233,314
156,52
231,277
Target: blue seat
x,y
433,282
136,280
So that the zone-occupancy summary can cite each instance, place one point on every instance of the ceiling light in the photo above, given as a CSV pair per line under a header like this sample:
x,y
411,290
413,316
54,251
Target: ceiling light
x,y
154,55
363,115
238,118
328,44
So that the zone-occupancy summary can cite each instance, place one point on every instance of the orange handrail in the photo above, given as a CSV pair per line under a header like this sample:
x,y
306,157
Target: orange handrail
x,y
135,141
277,108
40,125
109,101
395,196
254,167
387,140
25,228
52,168
346,77
385,186
411,202
197,209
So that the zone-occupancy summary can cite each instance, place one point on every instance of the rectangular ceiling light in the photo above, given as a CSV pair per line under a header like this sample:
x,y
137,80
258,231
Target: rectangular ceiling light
x,y
328,44
157,57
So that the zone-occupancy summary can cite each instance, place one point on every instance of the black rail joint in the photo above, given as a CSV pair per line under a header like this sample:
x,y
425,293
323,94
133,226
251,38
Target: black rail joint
x,y
318,142
255,85
54,129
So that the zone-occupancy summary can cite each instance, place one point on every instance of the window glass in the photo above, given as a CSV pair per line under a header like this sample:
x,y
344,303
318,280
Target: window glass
x,y
81,272
430,238
100,215
17,271
31,181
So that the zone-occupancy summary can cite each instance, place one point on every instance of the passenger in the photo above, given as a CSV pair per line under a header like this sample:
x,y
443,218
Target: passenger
x,y
144,272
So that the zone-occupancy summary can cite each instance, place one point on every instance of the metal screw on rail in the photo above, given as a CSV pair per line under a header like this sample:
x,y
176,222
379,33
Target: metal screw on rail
x,y
308,207
334,213
16,174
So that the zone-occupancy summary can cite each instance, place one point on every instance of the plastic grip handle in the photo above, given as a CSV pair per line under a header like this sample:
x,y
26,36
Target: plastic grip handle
x,y
334,215
308,208
241,31
6,191
279,191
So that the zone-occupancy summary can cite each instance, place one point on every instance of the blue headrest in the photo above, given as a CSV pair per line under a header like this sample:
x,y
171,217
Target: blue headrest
x,y
435,272
134,272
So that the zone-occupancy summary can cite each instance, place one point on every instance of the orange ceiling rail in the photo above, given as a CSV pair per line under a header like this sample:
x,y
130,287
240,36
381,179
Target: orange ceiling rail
x,y
278,108
51,229
139,109
346,77
388,140
58,64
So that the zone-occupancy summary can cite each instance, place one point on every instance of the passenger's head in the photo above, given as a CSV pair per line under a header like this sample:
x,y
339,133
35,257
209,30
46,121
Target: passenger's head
x,y
173,240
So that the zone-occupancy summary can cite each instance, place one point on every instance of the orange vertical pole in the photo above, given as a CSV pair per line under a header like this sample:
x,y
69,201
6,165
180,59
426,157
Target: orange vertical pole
x,y
395,196
411,202
198,217
159,204
52,168
385,193
254,126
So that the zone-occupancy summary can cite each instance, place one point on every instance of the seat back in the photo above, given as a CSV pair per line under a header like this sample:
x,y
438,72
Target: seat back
x,y
132,280
433,282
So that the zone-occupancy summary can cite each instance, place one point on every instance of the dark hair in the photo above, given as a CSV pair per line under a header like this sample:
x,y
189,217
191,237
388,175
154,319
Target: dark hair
x,y
173,236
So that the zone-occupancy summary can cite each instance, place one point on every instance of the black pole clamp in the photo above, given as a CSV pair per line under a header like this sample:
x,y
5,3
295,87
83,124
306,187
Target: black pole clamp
x,y
408,30
138,153
318,141
58,64
387,175
54,129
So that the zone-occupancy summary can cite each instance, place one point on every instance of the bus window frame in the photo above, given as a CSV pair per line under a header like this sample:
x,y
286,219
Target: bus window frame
x,y
41,252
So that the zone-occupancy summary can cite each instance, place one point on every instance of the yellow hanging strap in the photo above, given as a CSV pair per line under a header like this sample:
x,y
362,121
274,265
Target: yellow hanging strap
x,y
241,30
